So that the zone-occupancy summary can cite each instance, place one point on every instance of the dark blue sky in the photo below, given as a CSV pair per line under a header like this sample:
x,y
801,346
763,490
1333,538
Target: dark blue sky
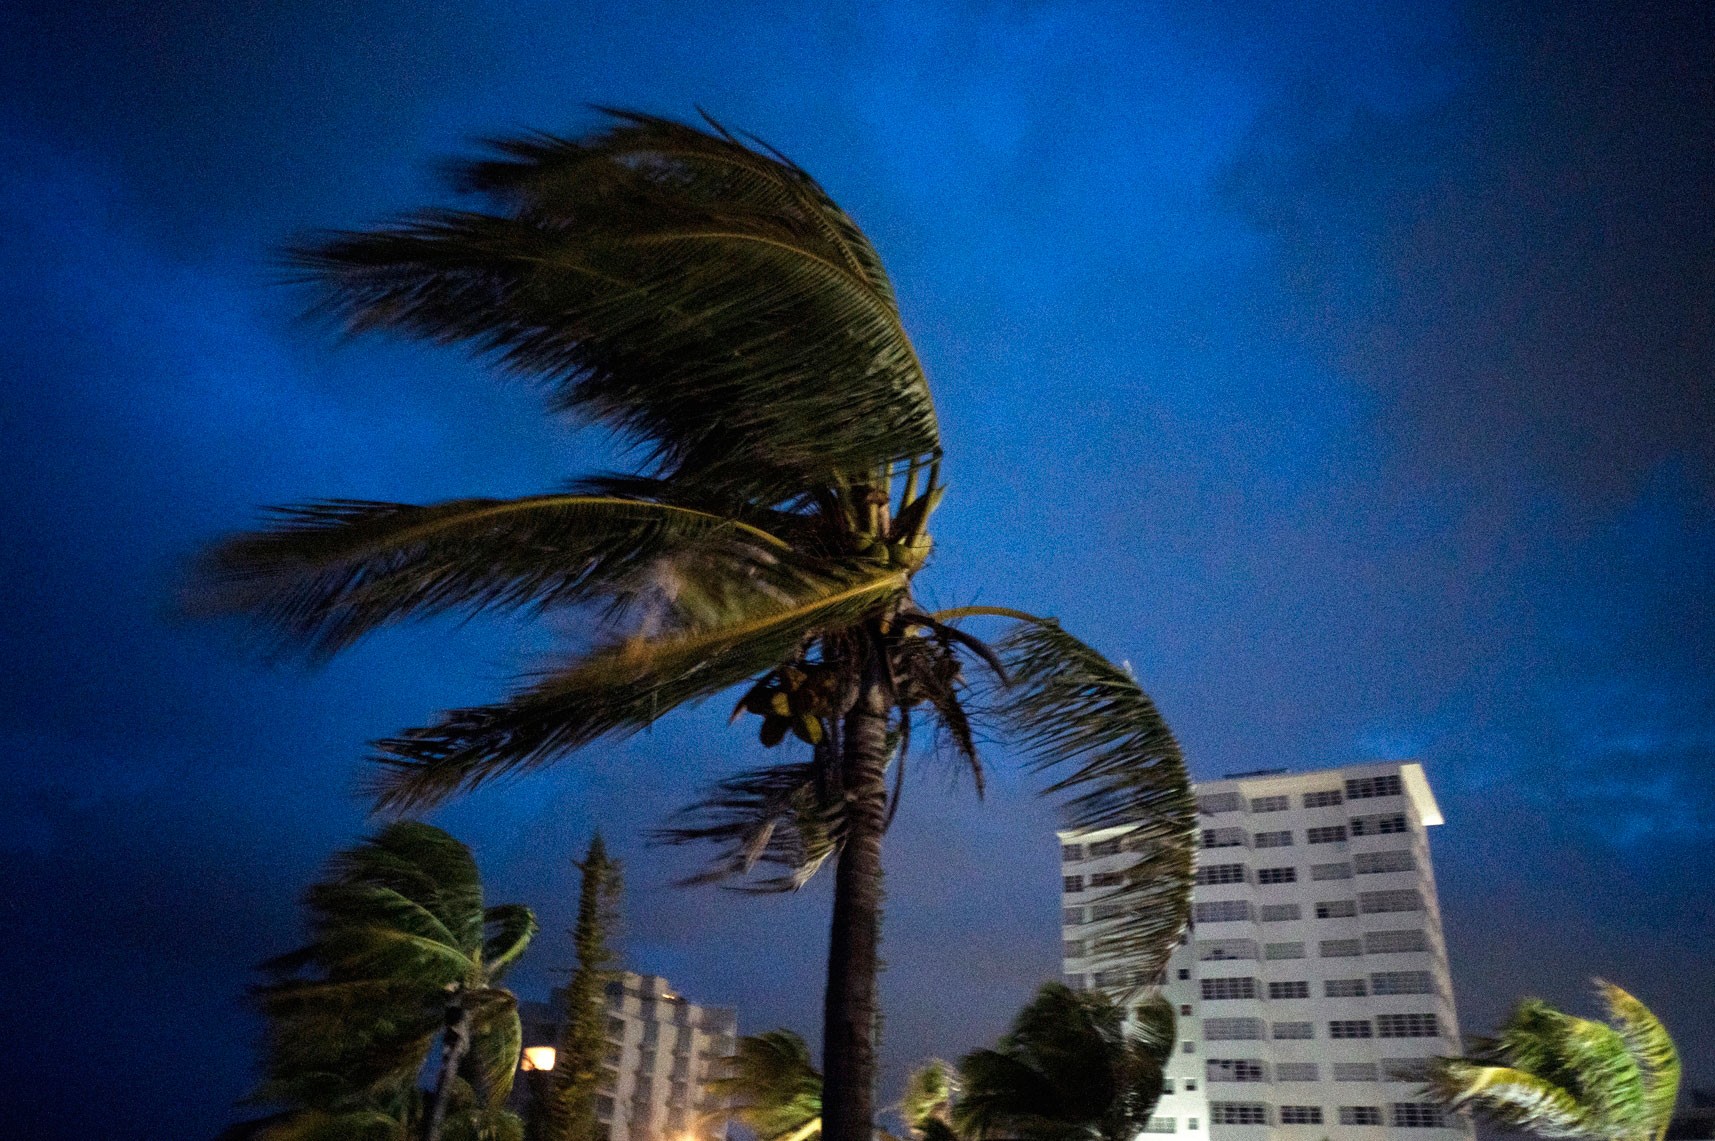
x,y
1345,368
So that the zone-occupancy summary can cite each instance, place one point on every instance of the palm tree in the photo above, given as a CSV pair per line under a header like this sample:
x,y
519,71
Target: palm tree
x,y
774,1088
705,299
927,1105
402,953
1069,1070
1562,1076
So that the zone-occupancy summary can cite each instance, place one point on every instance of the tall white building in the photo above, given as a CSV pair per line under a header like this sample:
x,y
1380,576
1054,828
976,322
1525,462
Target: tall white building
x,y
1313,983
662,1053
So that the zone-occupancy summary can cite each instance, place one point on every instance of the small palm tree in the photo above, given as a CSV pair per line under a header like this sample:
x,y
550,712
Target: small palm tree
x,y
402,953
927,1105
1069,1070
773,1087
1562,1076
708,301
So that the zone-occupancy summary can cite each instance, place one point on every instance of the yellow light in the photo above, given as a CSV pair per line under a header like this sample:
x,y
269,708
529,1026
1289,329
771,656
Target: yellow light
x,y
538,1058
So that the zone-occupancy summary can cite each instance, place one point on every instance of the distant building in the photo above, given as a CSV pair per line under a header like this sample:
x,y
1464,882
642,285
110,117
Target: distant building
x,y
662,1053
1313,983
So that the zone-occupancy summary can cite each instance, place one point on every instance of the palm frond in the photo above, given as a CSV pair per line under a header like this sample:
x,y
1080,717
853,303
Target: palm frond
x,y
496,1041
509,927
775,1088
783,816
618,689
1651,1049
703,297
1511,1097
1072,709
323,575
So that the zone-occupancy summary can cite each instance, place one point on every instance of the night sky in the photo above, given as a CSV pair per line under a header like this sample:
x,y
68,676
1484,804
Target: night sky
x,y
1346,369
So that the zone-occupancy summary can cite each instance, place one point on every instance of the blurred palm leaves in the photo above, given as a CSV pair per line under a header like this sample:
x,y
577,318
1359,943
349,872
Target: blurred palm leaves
x,y
399,932
1561,1076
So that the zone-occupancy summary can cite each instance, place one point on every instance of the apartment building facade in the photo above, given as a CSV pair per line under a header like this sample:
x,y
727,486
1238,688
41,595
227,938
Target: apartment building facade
x,y
1313,983
662,1052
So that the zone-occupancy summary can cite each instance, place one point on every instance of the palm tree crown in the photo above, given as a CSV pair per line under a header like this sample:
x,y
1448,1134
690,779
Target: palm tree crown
x,y
401,946
1069,1070
1562,1076
708,301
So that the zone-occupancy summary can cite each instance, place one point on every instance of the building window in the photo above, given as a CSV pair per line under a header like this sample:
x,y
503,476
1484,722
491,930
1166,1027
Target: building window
x,y
1289,990
1072,949
1383,825
1403,982
1106,911
1377,902
1107,879
1160,1125
1071,851
1273,839
1167,1086
1327,798
1071,916
1355,1072
1336,909
1289,1030
1394,942
1232,1029
1072,883
1414,1070
1363,788
1184,1009
1375,863
1283,951
1210,874
1214,989
1301,1115
1190,1085
1280,912
1276,875
1270,804
1407,1026
1340,948
1295,1072
1234,1070
1215,950
1223,911
1191,1123
1332,834
1238,1113
1341,871
1215,802
1416,1115
1360,1115
1349,1028
616,1028
1224,837
1343,988
1105,848
1184,973
1188,1047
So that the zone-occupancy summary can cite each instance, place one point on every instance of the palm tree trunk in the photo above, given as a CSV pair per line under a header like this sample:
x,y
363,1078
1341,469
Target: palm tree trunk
x,y
850,1010
455,1042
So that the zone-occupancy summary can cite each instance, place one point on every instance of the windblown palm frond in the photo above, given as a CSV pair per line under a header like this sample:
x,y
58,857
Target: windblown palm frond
x,y
707,299
325,574
1068,1070
927,1104
786,816
621,688
775,1089
1557,1075
1071,709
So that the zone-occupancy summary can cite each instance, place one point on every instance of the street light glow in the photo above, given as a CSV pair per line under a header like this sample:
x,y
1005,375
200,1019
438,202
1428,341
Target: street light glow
x,y
538,1058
